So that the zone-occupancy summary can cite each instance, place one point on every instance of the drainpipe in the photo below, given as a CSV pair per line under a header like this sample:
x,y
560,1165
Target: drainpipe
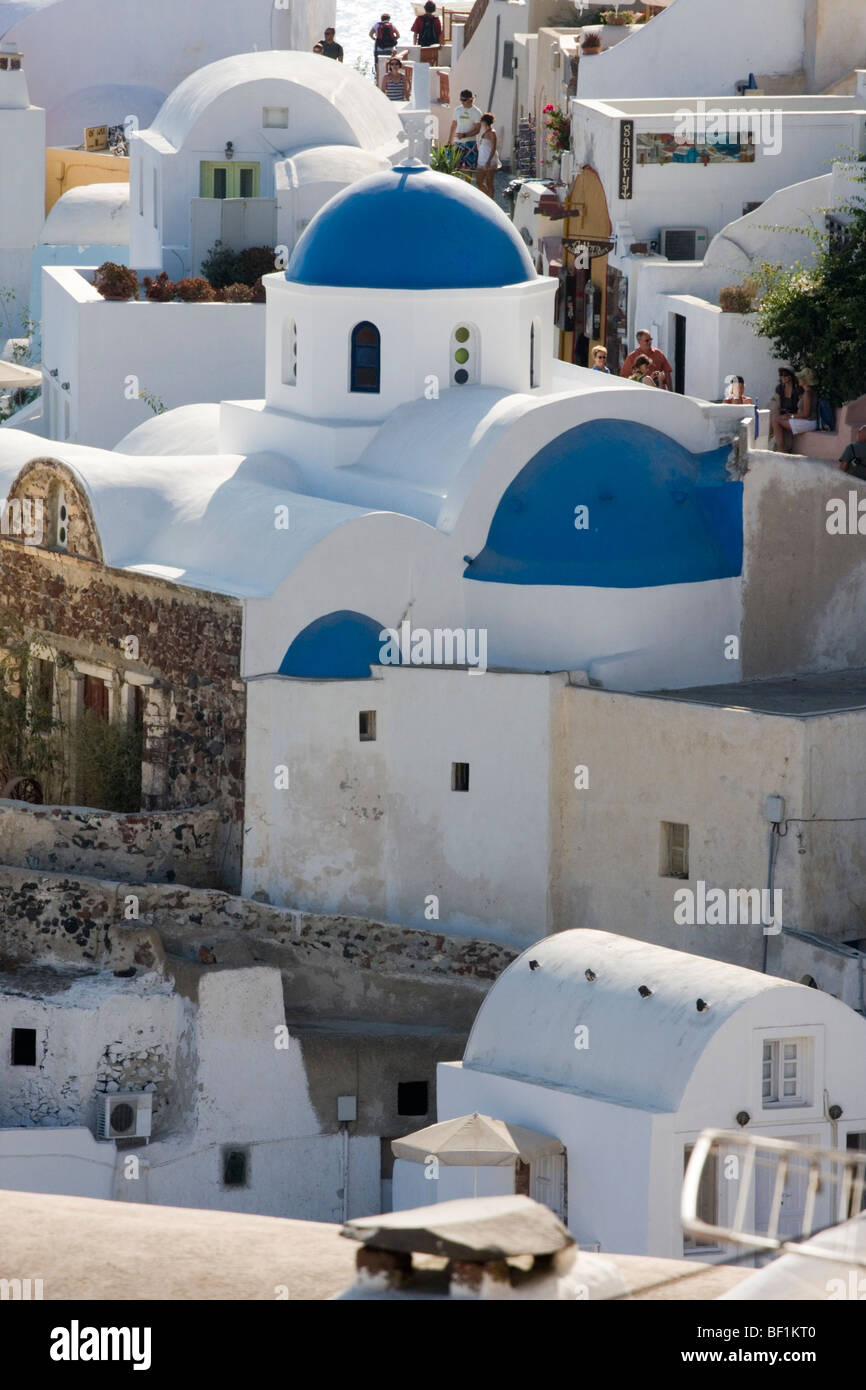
x,y
495,63
771,867
345,1128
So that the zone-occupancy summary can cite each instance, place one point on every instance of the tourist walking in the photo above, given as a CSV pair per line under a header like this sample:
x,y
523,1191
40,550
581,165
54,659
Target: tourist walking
x,y
397,81
428,27
329,47
488,155
658,362
643,371
599,360
384,36
464,128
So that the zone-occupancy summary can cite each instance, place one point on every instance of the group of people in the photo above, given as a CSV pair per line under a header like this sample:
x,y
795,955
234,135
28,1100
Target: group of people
x,y
473,133
646,364
426,33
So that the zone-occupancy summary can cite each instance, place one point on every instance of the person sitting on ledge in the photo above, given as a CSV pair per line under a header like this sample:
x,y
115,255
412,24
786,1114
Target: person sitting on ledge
x,y
853,458
787,427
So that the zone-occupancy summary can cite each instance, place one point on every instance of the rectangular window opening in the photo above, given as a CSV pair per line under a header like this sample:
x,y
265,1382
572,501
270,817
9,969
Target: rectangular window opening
x,y
412,1098
460,777
783,1072
24,1047
236,1168
246,183
708,1199
275,117
367,725
674,850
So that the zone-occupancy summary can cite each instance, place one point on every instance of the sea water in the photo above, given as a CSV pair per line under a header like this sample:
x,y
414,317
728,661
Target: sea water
x,y
355,19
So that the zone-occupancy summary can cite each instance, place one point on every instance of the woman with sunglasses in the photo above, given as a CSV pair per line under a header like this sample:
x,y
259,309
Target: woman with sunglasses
x,y
397,82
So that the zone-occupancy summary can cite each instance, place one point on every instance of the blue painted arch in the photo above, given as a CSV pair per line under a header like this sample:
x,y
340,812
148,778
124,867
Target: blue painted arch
x,y
657,513
341,645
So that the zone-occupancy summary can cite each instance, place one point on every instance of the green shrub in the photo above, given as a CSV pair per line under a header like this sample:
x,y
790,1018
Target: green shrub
x,y
238,294
107,760
194,290
222,266
257,261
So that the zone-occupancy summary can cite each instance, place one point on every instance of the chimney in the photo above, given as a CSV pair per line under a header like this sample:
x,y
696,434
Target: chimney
x,y
13,84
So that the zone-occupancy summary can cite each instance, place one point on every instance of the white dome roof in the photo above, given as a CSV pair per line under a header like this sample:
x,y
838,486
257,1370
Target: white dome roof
x,y
368,117
318,164
642,1050
188,429
97,214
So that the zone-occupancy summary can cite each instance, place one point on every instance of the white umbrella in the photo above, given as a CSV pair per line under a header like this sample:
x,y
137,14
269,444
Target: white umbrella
x,y
15,378
476,1141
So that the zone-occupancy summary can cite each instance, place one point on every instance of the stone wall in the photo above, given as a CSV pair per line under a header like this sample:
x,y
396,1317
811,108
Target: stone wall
x,y
186,661
159,846
333,968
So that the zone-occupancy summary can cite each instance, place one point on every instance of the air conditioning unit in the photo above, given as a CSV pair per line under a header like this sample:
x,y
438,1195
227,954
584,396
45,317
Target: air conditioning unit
x,y
684,243
124,1115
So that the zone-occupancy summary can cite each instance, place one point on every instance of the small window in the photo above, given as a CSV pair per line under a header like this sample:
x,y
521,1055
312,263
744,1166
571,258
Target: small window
x,y
155,199
783,1072
236,1168
24,1047
464,355
220,183
508,58
708,1198
96,697
674,850
290,352
367,725
460,777
365,374
412,1098
275,117
246,183
533,357
43,692
141,189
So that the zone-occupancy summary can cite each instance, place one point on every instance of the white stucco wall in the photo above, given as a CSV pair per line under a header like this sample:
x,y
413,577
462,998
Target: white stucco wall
x,y
67,1161
374,828
699,47
814,131
480,66
182,353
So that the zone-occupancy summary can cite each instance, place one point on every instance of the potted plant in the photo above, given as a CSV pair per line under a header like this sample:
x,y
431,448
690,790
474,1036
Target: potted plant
x,y
737,299
194,290
558,129
159,290
590,41
116,282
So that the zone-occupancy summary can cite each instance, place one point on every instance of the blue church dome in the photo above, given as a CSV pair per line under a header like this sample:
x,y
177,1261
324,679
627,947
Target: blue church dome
x,y
410,229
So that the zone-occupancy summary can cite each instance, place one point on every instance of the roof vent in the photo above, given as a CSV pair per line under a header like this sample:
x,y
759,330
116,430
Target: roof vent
x,y
590,975
700,1005
533,965
644,991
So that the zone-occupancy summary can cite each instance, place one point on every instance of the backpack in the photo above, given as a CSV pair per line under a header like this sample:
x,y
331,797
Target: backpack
x,y
428,35
385,36
826,415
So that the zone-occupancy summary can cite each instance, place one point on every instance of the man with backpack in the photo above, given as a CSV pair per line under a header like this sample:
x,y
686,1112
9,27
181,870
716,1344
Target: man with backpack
x,y
428,27
384,36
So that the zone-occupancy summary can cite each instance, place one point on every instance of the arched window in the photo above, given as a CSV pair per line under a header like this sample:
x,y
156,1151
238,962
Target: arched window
x,y
534,374
464,355
290,352
366,351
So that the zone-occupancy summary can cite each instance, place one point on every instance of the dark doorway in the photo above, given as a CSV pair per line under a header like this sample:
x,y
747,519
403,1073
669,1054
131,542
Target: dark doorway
x,y
680,354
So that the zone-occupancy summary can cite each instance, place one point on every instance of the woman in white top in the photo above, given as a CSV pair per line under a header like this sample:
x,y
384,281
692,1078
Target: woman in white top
x,y
488,158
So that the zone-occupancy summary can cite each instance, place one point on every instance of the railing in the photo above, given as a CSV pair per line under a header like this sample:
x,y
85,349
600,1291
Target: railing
x,y
476,14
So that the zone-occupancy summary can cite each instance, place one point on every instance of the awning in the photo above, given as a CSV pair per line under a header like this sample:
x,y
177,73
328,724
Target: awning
x,y
475,1141
15,378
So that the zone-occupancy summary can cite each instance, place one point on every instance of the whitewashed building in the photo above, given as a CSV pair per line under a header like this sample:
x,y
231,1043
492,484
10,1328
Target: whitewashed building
x,y
245,151
140,56
625,1051
22,180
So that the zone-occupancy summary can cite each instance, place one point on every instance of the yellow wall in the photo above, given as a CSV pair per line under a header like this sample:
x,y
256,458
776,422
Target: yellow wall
x,y
65,169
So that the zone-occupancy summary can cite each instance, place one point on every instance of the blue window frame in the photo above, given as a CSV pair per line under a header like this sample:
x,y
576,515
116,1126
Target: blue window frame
x,y
366,352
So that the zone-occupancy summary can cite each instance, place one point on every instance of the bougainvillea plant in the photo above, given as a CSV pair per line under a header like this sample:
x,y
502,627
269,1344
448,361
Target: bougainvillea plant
x,y
558,128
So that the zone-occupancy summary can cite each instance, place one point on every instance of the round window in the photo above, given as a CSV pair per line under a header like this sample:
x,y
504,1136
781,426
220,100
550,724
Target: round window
x,y
461,376
62,513
462,335
461,355
62,535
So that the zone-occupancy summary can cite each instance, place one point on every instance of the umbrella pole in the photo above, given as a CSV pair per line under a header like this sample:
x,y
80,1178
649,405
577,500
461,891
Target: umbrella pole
x,y
474,1182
